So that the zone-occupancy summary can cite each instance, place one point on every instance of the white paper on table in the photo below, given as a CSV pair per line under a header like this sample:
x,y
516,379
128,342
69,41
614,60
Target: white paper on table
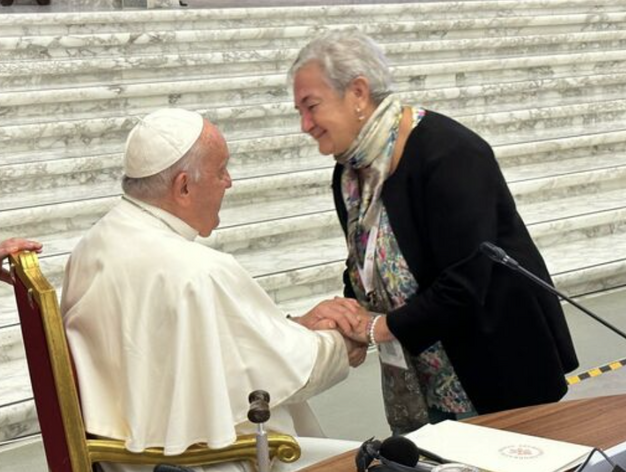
x,y
496,450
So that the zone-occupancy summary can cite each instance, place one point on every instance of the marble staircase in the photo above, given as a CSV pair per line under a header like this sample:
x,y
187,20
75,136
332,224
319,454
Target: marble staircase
x,y
543,80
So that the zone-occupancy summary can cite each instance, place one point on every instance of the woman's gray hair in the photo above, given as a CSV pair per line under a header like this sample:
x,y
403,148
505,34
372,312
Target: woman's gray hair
x,y
155,187
344,56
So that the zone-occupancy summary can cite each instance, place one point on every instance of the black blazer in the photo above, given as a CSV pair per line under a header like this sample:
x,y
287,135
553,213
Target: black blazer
x,y
507,338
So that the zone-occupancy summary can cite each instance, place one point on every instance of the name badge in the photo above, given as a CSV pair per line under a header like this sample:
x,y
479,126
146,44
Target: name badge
x,y
391,353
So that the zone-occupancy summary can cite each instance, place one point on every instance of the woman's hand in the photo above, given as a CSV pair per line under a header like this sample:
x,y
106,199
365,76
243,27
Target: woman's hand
x,y
11,246
361,333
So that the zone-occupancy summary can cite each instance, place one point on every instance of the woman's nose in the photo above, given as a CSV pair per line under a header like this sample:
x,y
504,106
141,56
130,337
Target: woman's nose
x,y
306,123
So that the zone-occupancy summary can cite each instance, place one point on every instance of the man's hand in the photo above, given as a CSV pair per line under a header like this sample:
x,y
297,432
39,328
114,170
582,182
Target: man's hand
x,y
357,352
338,313
11,246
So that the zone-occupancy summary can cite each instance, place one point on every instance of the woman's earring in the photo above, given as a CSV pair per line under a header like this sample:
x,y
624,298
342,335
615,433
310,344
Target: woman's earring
x,y
359,114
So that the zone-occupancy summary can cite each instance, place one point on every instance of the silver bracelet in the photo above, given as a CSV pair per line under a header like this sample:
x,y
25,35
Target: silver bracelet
x,y
370,330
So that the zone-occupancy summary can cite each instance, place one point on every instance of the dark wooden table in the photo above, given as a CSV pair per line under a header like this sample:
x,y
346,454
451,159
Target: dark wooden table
x,y
598,422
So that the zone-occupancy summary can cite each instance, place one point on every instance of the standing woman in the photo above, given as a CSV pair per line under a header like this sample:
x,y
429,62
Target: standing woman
x,y
416,193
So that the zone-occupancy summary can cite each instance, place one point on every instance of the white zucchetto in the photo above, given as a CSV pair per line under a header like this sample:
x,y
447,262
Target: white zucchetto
x,y
159,140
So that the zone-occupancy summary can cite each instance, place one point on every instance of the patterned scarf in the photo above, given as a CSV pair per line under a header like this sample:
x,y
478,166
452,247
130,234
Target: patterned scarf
x,y
430,380
371,154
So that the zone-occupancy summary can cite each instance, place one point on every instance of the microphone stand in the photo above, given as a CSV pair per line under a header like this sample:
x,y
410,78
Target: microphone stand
x,y
498,255
258,414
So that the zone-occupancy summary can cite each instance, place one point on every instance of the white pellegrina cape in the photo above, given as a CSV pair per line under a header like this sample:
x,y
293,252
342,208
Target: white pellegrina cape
x,y
169,337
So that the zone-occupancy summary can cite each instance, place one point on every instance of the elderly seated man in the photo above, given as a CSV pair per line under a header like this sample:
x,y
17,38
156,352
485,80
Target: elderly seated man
x,y
168,335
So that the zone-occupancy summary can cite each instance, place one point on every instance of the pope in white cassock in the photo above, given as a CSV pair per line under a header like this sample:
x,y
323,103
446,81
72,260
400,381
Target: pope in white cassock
x,y
169,336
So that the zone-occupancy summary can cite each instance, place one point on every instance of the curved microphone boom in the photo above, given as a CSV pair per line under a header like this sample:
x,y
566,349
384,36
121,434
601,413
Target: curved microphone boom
x,y
500,256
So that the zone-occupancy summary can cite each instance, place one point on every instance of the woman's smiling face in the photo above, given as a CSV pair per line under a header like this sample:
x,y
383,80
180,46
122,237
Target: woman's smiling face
x,y
331,119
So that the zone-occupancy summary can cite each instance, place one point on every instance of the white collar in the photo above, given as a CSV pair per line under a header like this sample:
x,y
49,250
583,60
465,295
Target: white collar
x,y
169,220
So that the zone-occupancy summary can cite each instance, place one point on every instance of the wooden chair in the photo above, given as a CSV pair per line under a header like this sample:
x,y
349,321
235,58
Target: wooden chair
x,y
67,445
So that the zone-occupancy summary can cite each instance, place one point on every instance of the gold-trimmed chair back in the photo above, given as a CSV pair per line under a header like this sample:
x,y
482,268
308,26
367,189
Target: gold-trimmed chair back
x,y
67,445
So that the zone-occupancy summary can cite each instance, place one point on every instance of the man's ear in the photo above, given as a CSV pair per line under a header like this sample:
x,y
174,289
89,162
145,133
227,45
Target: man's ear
x,y
180,189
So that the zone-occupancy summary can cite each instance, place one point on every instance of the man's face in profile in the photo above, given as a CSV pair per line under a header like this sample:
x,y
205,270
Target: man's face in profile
x,y
208,192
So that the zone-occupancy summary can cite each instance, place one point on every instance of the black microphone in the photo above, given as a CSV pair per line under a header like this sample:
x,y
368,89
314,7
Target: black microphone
x,y
498,254
404,451
395,454
171,468
400,450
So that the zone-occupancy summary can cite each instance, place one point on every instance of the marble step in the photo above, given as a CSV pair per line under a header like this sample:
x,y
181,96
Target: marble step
x,y
144,21
312,217
517,175
46,211
588,266
25,75
18,419
508,69
284,272
246,154
261,157
27,217
39,209
558,227
251,227
135,27
63,172
11,346
13,388
280,44
269,122
561,149
588,183
569,220
255,228
47,197
544,123
270,97
577,267
79,208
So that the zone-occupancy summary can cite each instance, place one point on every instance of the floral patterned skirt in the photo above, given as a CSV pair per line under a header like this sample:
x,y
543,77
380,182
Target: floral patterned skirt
x,y
429,382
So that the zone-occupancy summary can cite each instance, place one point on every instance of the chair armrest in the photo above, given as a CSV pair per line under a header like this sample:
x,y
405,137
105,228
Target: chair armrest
x,y
281,446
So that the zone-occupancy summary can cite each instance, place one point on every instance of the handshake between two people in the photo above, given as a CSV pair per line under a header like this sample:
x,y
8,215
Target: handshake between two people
x,y
353,321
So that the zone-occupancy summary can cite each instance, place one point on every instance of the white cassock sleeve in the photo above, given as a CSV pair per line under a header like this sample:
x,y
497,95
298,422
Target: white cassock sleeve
x,y
331,366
